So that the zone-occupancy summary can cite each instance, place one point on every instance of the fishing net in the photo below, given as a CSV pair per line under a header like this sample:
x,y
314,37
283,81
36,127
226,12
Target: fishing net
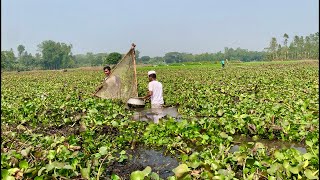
x,y
122,82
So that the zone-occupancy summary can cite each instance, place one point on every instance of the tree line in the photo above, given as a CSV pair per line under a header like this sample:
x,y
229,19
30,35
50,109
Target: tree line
x,y
53,55
57,55
299,48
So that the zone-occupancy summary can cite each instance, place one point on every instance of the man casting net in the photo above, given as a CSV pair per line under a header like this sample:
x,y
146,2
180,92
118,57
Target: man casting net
x,y
122,81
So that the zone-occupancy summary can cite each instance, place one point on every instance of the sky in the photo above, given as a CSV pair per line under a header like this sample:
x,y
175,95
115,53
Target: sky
x,y
156,27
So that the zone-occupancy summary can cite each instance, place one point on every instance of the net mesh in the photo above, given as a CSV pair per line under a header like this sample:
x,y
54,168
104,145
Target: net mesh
x,y
122,82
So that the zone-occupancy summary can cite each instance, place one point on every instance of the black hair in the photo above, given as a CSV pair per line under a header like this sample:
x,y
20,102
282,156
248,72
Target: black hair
x,y
154,76
107,67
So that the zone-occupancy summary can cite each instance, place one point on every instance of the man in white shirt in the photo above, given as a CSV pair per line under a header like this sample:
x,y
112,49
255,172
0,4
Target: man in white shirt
x,y
155,93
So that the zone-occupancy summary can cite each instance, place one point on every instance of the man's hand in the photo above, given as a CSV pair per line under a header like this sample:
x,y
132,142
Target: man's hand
x,y
148,95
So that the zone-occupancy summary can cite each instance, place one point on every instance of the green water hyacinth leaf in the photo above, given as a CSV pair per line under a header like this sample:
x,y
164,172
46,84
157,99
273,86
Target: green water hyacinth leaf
x,y
294,170
224,135
139,175
255,138
51,154
220,112
8,178
171,178
147,170
25,152
40,171
38,178
12,171
306,163
67,167
309,143
195,164
273,168
205,137
115,123
5,175
259,145
154,176
123,152
181,170
311,175
243,116
193,156
271,178
93,111
4,172
115,177
103,150
23,164
85,172
286,165
278,155
307,156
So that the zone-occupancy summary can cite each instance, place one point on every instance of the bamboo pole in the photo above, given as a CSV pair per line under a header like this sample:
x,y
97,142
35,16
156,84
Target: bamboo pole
x,y
134,67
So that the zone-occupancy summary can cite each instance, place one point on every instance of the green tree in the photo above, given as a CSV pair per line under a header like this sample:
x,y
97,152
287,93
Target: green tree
x,y
20,49
7,60
273,47
295,47
315,45
137,55
113,58
56,55
27,60
301,47
308,46
172,57
37,59
279,51
285,45
145,59
187,57
156,60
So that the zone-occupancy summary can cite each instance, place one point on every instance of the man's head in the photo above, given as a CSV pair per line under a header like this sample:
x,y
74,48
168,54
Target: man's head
x,y
107,70
152,75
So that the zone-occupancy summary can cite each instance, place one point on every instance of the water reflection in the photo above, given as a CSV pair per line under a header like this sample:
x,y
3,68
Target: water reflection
x,y
160,163
154,115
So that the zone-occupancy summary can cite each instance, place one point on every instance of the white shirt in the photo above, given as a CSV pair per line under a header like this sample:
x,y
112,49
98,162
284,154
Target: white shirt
x,y
156,88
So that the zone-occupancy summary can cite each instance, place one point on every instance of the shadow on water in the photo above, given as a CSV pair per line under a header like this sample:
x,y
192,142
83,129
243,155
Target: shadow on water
x,y
153,115
270,144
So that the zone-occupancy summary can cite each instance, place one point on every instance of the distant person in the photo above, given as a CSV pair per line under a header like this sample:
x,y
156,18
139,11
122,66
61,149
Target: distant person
x,y
155,93
222,63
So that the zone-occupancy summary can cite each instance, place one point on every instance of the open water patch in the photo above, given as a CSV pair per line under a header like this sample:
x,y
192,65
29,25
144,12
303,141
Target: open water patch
x,y
141,157
270,144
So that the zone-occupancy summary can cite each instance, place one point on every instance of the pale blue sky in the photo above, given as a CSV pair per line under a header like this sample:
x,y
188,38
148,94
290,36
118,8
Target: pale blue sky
x,y
157,27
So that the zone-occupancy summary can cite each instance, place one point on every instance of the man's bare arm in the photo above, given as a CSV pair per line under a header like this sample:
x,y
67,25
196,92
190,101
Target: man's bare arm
x,y
148,95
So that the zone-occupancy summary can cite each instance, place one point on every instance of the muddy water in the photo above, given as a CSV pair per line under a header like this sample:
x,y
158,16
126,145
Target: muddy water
x,y
270,144
153,115
159,163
